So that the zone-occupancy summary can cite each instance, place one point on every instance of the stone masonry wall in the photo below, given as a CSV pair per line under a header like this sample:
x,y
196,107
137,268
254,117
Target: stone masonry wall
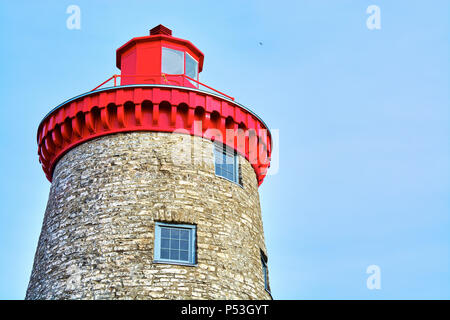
x,y
98,232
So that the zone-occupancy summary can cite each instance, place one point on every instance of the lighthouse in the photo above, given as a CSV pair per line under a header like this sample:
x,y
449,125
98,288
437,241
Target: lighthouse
x,y
154,185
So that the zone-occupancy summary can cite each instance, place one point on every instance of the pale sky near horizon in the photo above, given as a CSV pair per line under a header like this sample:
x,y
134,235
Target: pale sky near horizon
x,y
362,115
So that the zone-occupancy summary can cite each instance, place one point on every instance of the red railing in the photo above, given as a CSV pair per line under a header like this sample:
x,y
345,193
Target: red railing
x,y
163,80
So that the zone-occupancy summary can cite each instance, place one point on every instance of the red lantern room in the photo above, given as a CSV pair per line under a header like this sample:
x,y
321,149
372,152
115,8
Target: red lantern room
x,y
159,91
159,59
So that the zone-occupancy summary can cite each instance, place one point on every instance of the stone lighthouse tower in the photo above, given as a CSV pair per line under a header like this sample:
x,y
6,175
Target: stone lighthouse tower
x,y
154,185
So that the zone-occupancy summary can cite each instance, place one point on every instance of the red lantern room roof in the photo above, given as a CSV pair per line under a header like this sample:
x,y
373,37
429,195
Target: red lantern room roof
x,y
159,91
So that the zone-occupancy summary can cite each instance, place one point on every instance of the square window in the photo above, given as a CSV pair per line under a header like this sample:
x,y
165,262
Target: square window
x,y
174,243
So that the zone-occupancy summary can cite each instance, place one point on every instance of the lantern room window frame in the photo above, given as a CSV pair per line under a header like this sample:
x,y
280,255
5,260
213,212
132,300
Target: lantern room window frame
x,y
185,57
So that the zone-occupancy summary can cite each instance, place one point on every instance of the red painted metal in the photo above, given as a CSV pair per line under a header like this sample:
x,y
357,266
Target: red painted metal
x,y
105,82
163,109
153,103
160,29
142,55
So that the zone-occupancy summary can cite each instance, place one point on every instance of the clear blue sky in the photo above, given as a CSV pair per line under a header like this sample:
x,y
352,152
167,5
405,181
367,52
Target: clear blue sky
x,y
363,117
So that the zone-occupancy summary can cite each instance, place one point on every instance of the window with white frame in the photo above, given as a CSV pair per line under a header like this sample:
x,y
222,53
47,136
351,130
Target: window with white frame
x,y
175,243
226,162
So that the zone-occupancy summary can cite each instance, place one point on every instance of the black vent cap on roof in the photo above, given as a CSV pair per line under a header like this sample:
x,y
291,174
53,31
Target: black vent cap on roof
x,y
160,29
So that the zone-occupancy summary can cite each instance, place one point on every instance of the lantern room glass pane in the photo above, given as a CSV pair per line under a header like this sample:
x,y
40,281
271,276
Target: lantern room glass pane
x,y
191,69
172,61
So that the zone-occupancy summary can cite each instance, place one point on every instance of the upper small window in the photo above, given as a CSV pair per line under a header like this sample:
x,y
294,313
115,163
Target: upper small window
x,y
174,243
226,163
172,61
